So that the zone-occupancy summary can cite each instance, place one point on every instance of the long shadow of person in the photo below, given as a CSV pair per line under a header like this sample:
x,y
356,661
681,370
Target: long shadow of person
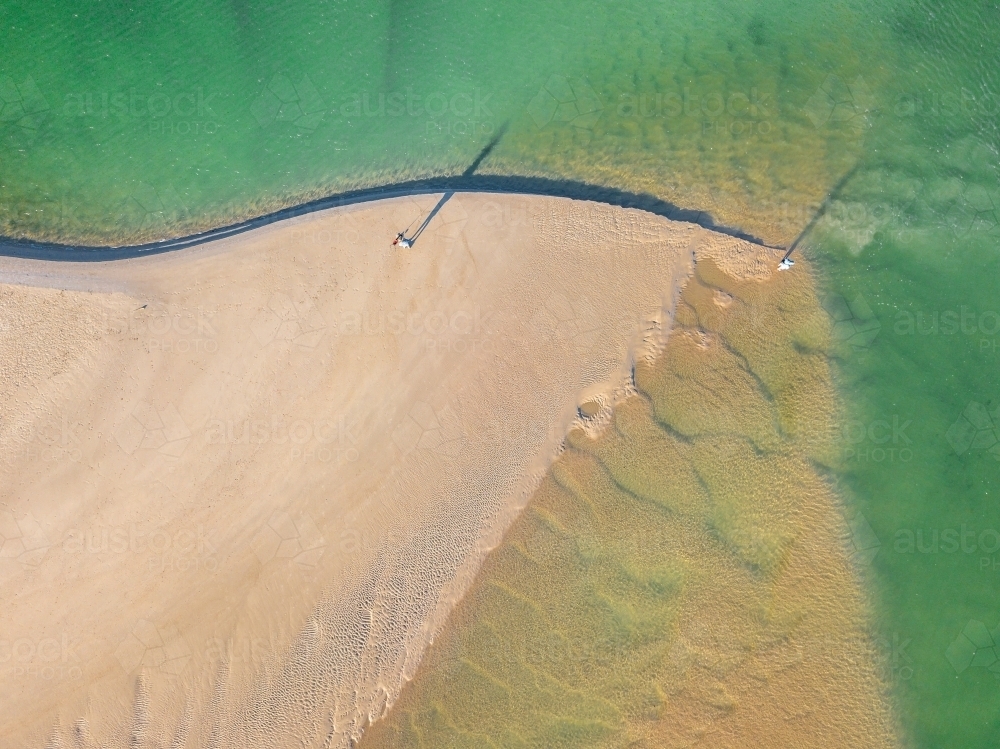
x,y
786,261
467,173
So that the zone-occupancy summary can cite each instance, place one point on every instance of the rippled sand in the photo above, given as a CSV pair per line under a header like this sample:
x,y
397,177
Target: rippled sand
x,y
680,577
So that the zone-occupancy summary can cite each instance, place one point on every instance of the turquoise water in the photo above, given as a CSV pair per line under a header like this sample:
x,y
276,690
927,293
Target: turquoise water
x,y
126,121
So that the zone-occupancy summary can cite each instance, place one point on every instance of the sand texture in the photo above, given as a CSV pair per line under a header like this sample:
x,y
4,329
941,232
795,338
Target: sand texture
x,y
680,577
246,484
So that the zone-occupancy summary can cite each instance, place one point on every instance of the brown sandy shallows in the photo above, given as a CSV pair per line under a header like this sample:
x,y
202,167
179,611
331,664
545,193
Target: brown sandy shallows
x,y
244,485
679,579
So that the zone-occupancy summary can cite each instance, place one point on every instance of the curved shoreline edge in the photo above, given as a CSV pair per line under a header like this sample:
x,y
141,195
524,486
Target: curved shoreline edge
x,y
53,251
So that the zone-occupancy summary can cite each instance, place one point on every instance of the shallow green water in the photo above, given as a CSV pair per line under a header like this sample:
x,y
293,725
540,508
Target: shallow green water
x,y
139,120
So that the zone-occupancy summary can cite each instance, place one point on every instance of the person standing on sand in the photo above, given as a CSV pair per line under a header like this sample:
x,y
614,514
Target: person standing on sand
x,y
402,241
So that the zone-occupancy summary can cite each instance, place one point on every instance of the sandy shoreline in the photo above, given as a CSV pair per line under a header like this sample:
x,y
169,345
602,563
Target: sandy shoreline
x,y
246,483
98,248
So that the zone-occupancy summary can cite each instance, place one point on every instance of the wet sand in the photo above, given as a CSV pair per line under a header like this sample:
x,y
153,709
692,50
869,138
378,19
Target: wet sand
x,y
680,577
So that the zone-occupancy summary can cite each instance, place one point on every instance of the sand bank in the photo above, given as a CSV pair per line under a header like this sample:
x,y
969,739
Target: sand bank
x,y
246,483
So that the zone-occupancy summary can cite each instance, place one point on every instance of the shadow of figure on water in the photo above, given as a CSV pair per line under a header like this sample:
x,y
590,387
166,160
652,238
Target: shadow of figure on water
x,y
448,195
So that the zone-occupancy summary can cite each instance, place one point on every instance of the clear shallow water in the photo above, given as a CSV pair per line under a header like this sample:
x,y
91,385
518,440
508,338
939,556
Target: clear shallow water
x,y
127,122
124,121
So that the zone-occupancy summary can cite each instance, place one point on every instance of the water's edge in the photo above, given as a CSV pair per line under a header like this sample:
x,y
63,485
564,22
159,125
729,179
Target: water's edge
x,y
54,251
